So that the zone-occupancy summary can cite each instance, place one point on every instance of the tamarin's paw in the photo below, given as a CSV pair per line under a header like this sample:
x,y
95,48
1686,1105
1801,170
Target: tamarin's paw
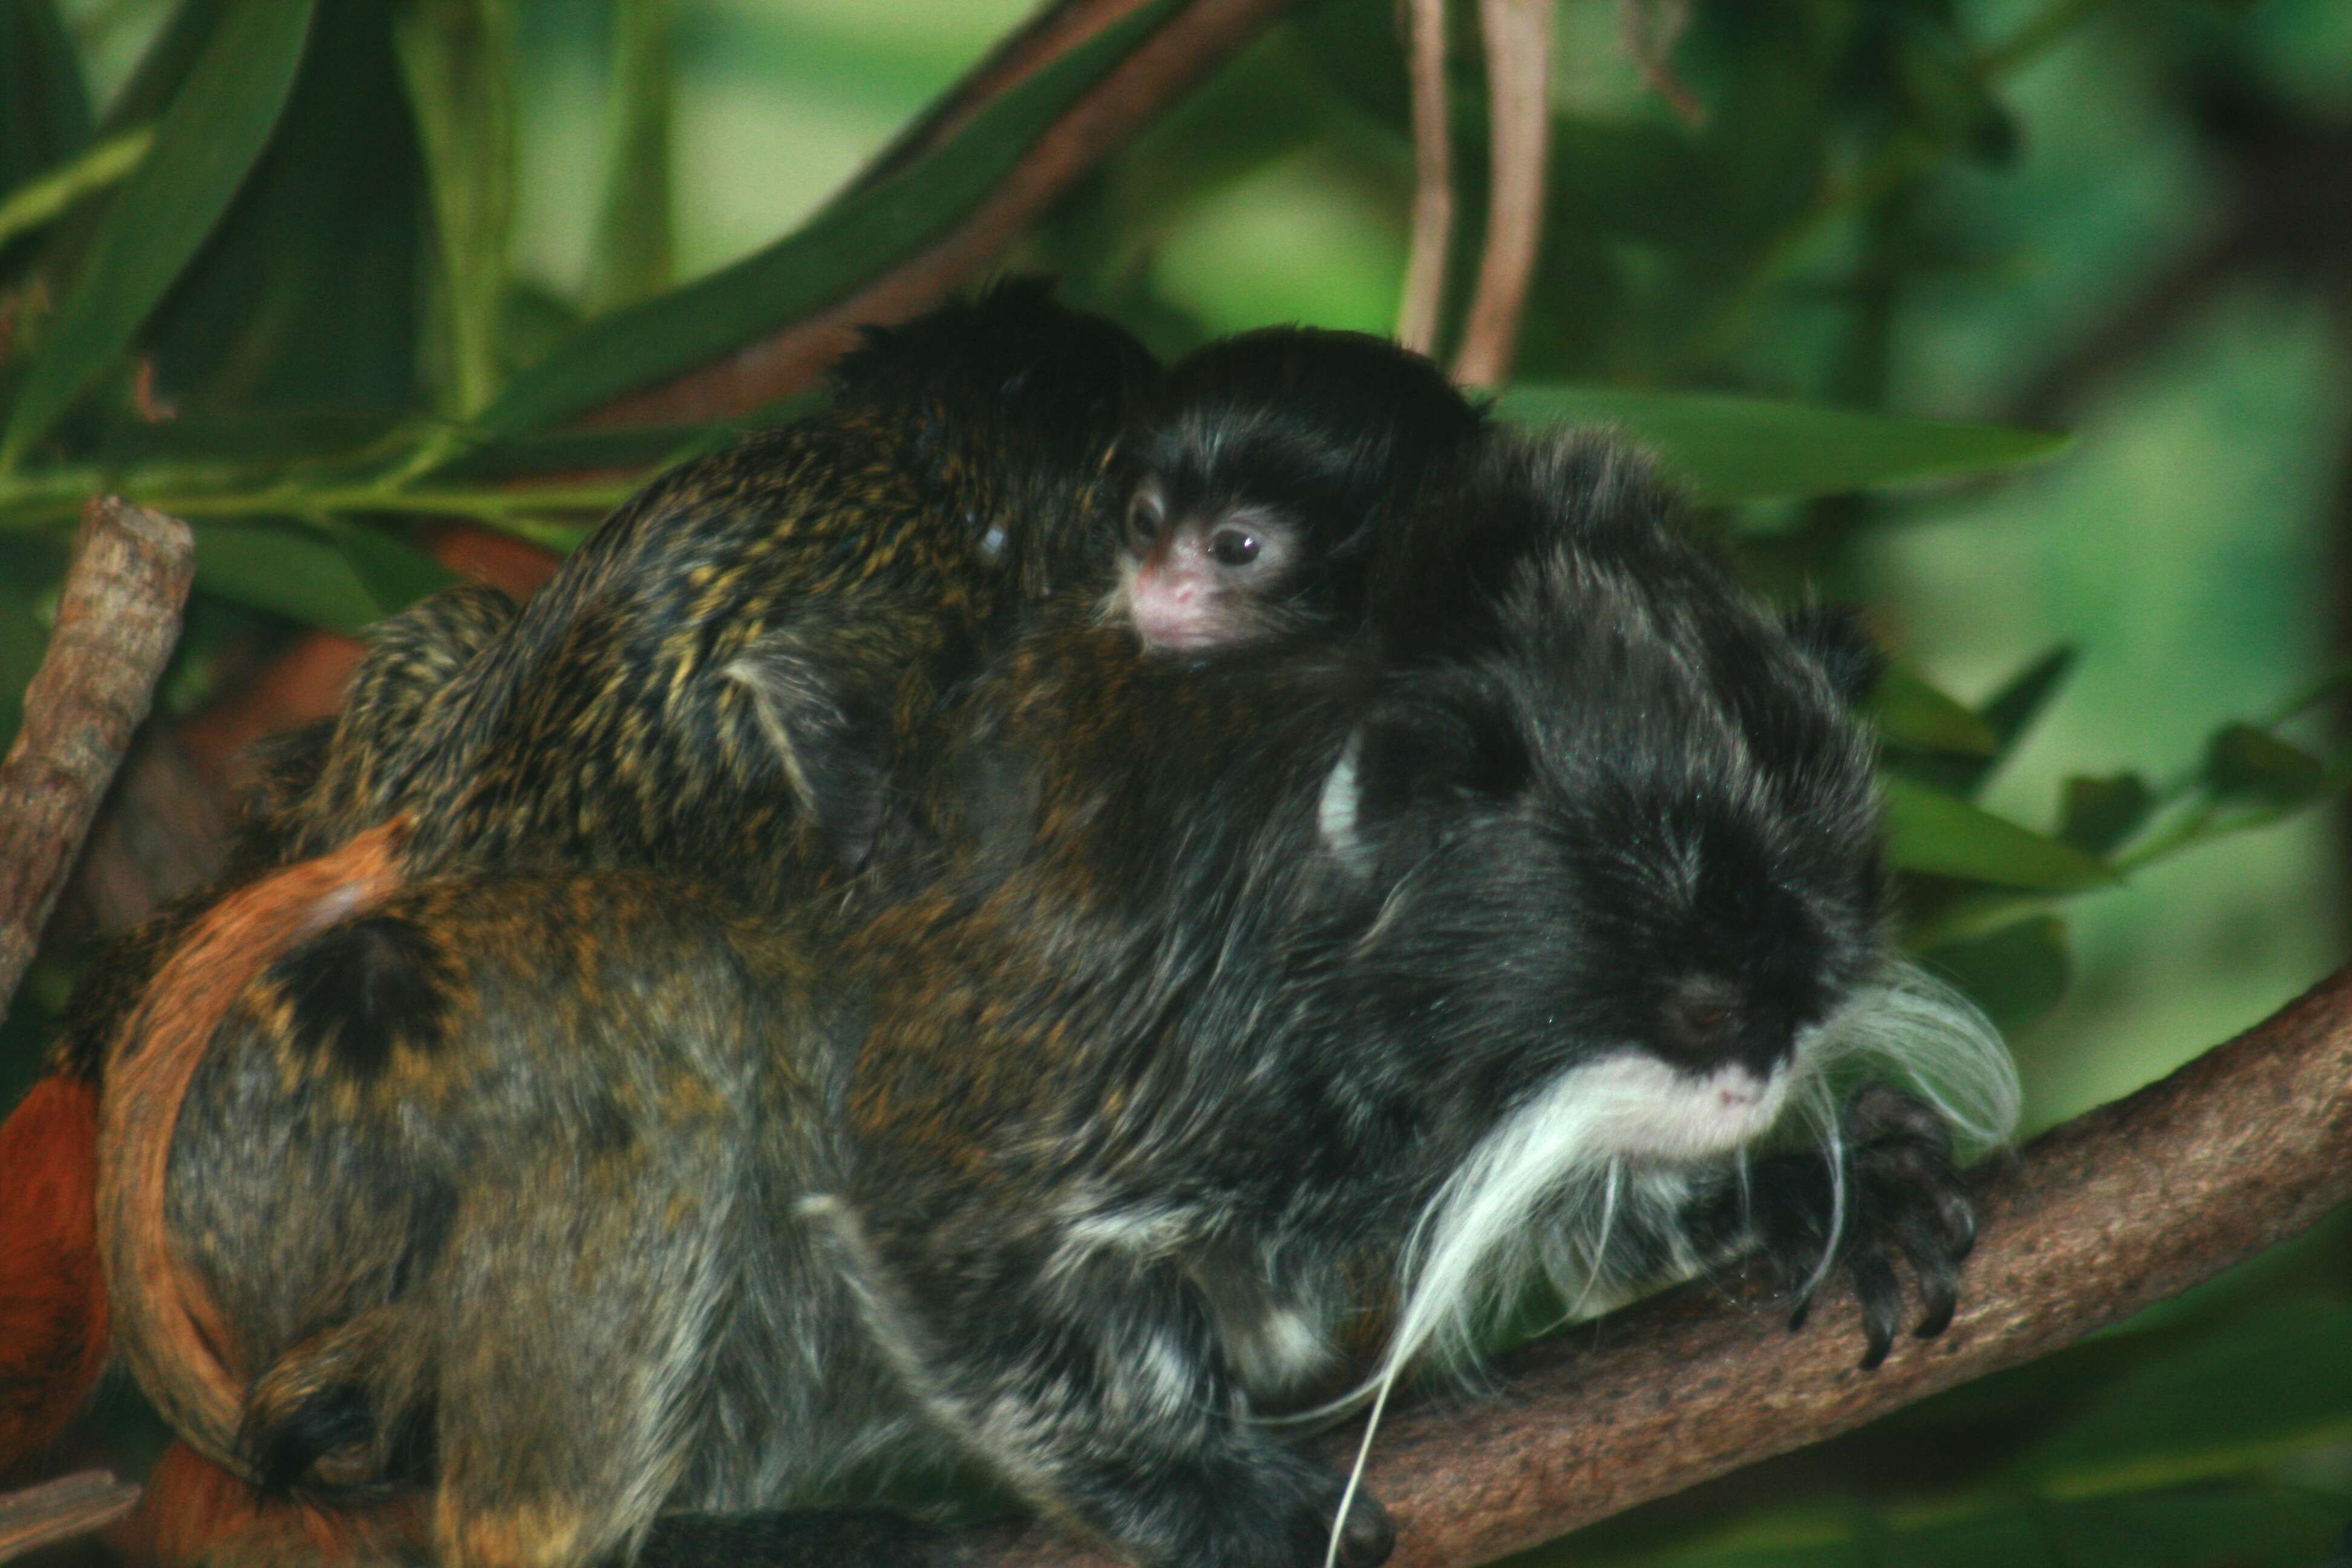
x,y
1902,1200
1270,1509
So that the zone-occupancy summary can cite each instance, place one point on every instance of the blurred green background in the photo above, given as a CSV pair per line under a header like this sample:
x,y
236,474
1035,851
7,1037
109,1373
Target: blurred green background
x,y
2129,221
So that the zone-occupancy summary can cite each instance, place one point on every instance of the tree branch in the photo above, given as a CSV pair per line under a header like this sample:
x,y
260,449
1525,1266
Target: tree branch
x,y
1162,69
57,1510
116,623
2119,1209
1433,180
1053,32
1518,73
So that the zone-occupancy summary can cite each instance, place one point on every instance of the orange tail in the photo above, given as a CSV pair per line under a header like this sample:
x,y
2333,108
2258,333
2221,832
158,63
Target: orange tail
x,y
187,1360
52,1291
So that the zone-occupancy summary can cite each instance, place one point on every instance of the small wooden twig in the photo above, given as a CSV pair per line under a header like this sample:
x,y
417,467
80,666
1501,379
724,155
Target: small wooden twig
x,y
1154,75
71,1506
1432,179
2116,1210
1518,72
116,623
1650,29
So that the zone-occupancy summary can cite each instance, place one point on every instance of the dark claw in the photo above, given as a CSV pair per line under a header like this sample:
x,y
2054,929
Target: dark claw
x,y
1905,1203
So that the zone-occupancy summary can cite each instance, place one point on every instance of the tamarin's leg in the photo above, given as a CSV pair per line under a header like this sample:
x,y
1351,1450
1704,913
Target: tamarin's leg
x,y
1097,1387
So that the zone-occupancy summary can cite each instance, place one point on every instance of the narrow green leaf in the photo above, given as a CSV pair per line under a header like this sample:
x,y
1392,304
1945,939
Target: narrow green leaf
x,y
1753,448
458,60
203,149
634,239
39,200
2097,813
2272,1381
1939,834
2246,763
2016,975
1908,711
286,568
2022,696
44,104
841,248
2008,714
395,575
341,577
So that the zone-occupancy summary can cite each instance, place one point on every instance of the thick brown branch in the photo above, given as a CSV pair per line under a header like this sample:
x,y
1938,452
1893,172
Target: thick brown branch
x,y
61,1509
2119,1209
1432,179
1519,75
1161,69
116,624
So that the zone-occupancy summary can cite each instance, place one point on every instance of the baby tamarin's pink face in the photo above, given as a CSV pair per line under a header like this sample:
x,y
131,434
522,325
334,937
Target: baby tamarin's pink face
x,y
1212,576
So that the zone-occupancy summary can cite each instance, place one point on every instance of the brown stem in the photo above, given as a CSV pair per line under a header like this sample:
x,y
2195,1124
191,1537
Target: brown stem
x,y
57,1510
1159,72
1518,70
1053,32
1433,180
2119,1209
117,622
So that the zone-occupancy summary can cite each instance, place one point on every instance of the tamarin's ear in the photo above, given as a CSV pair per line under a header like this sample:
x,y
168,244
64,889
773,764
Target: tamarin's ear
x,y
1839,642
831,731
1405,773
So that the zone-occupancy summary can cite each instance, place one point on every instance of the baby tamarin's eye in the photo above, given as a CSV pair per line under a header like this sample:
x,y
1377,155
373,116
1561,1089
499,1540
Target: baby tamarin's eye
x,y
1234,547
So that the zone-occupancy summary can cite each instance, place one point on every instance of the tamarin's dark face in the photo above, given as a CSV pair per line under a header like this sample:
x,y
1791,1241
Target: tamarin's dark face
x,y
1262,477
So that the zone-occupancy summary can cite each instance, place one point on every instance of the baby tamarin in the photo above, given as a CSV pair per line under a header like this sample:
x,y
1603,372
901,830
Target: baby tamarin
x,y
727,678
1263,473
609,1215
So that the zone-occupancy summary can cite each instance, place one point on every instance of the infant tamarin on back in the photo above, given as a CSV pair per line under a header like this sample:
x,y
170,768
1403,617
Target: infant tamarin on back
x,y
1254,977
749,656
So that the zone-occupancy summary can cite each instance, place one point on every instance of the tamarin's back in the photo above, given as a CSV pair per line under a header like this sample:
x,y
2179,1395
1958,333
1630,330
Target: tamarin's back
x,y
725,679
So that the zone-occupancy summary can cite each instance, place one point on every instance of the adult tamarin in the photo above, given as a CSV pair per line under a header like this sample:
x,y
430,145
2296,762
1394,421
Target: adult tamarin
x,y
619,1221
738,678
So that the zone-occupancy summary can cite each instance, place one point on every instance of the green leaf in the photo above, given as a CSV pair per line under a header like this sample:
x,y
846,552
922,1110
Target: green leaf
x,y
2022,697
1753,448
38,201
2242,763
458,60
844,246
309,294
1908,711
338,578
44,104
2006,715
2016,975
634,239
395,575
2260,1385
1935,834
2099,813
203,149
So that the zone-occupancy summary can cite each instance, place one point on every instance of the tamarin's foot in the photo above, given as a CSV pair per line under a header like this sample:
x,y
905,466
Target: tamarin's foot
x,y
1904,1199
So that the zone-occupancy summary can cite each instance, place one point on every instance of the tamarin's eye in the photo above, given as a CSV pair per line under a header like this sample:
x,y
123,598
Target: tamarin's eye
x,y
1144,517
1233,547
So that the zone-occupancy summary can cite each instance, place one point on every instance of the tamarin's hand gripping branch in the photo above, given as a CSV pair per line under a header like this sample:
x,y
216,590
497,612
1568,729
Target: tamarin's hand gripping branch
x,y
622,1222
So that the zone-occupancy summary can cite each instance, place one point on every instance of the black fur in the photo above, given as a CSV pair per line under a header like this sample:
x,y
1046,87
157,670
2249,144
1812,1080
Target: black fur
x,y
1330,432
362,990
